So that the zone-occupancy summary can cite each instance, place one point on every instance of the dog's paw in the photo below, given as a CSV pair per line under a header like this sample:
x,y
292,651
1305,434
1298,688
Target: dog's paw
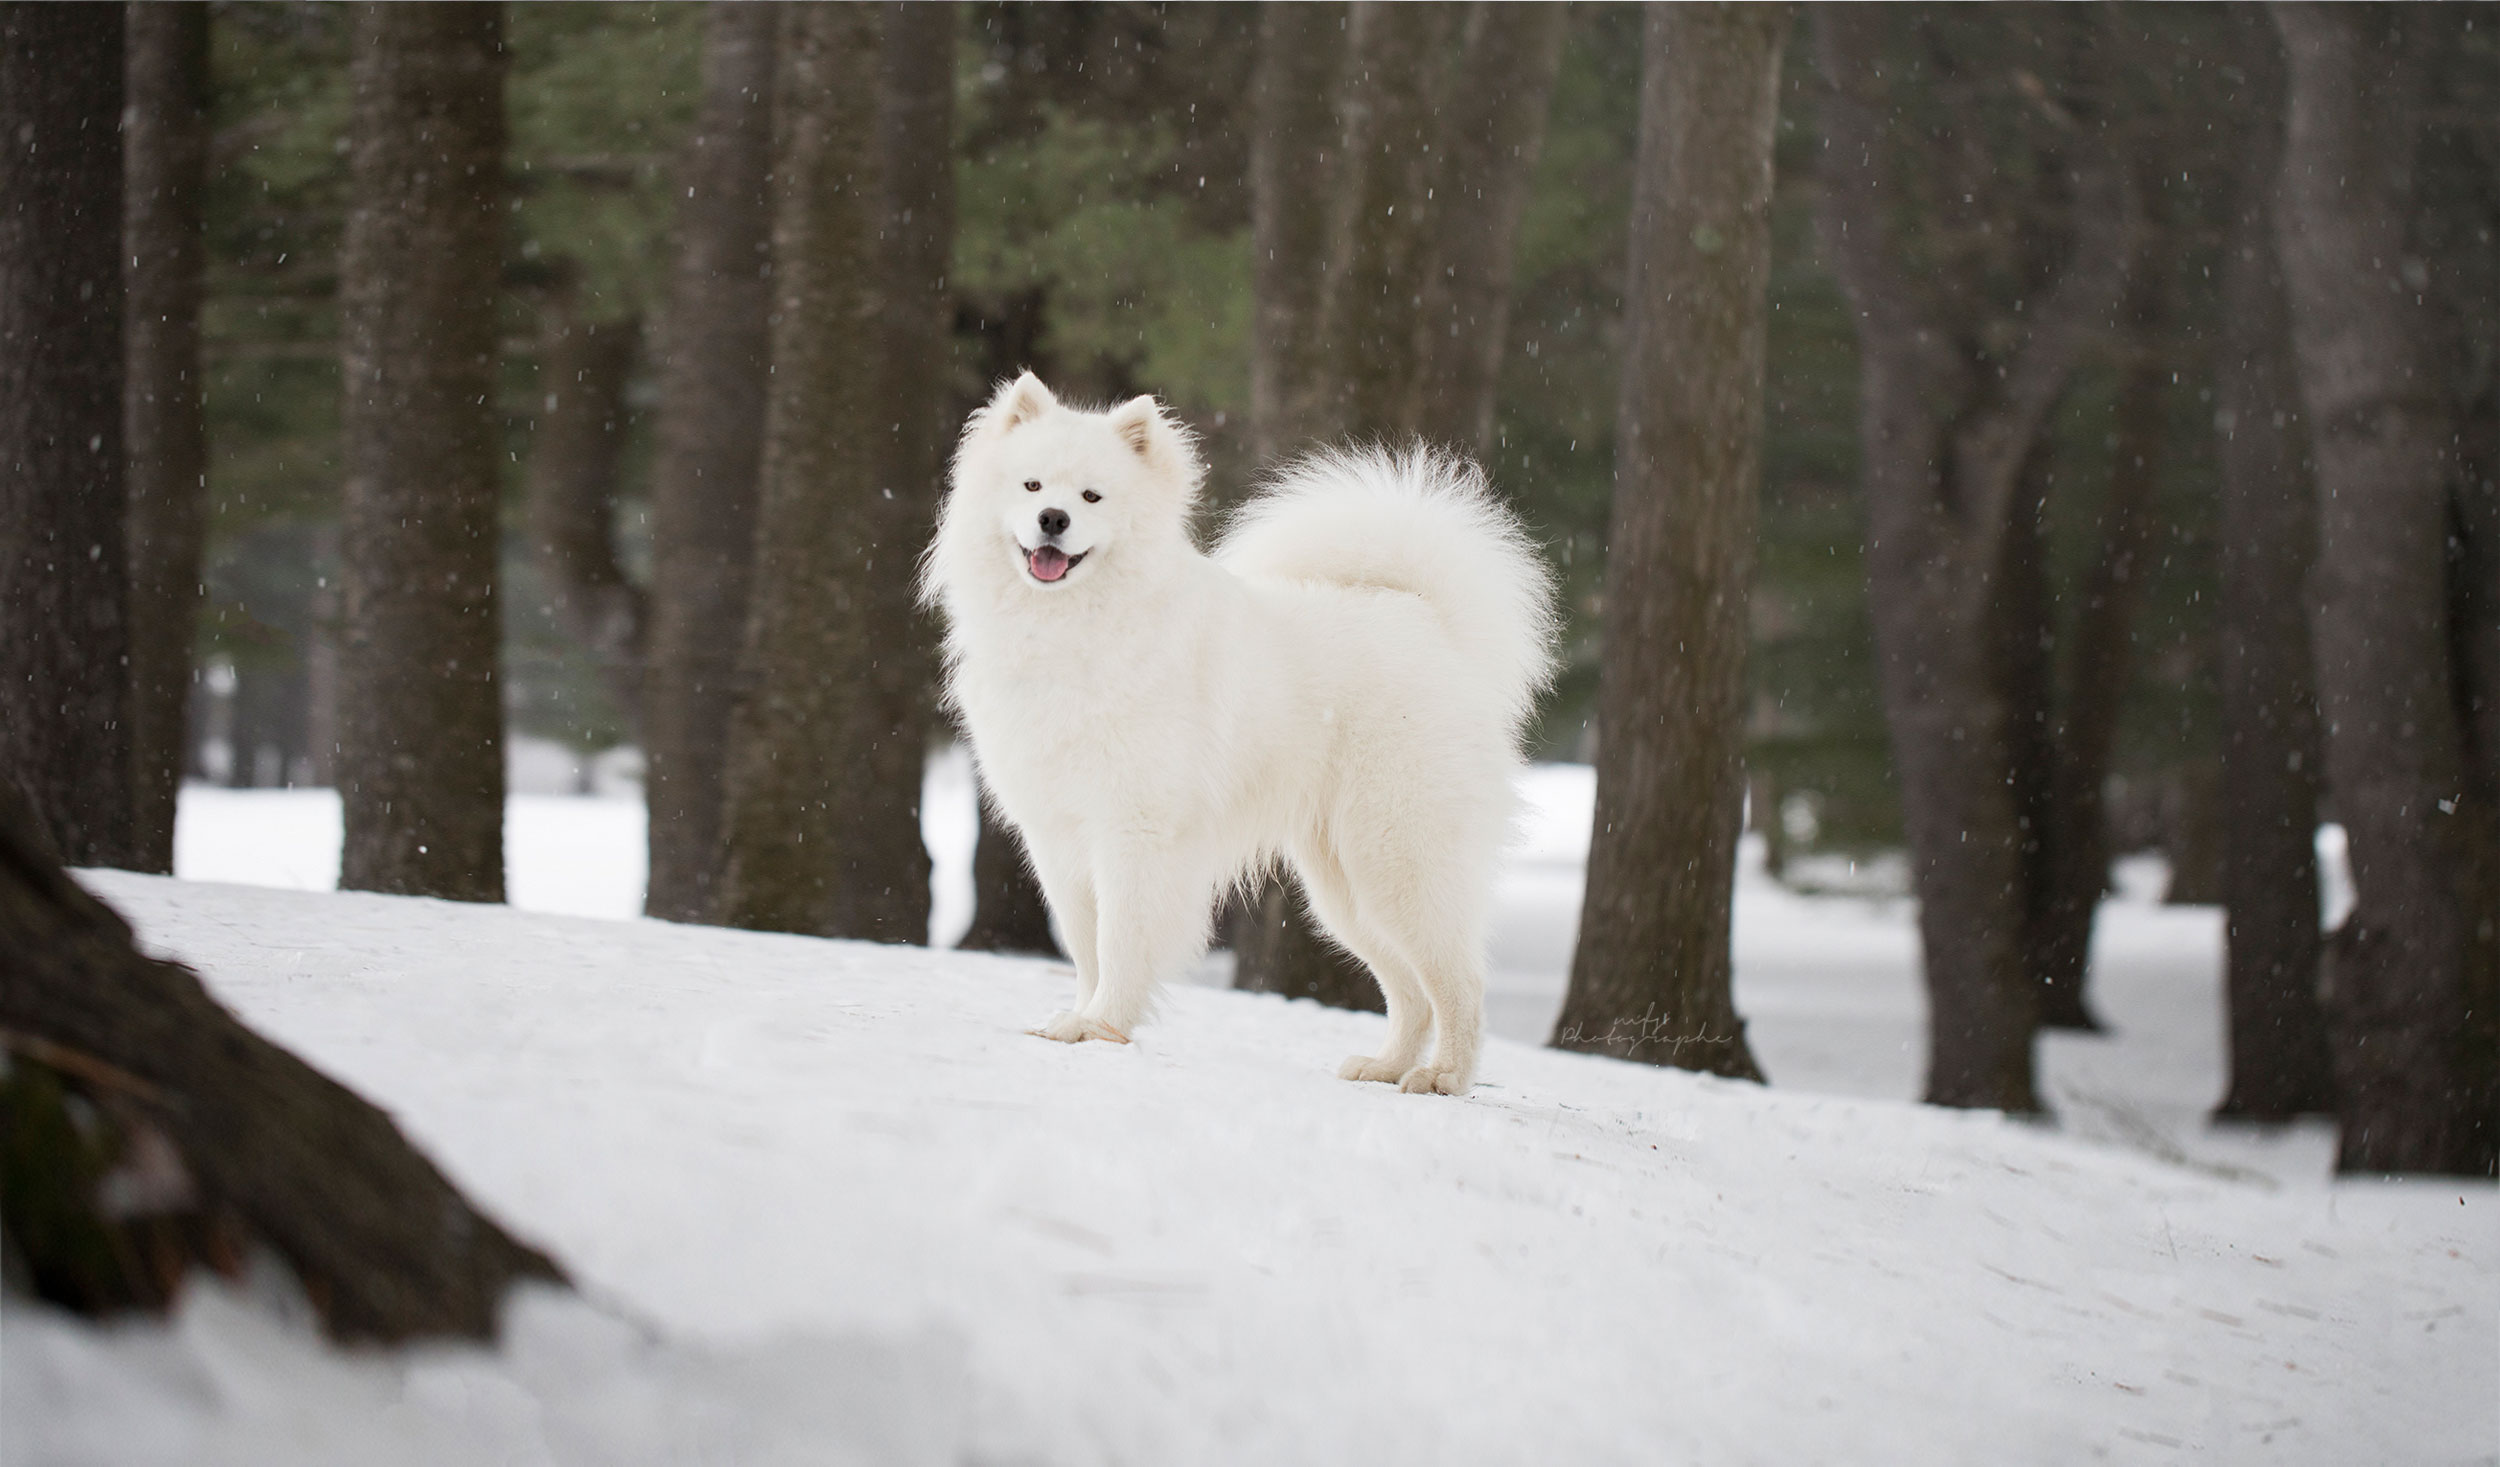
x,y
1069,1027
1364,1067
1432,1080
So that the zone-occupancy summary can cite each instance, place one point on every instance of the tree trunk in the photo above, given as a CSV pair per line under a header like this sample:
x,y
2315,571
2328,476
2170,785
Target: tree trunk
x,y
421,775
1490,136
1358,120
2412,1064
1278,949
2072,870
212,1137
2277,1036
1380,230
64,572
1008,912
710,442
165,167
783,820
882,884
1294,155
2466,92
1948,425
575,455
1651,979
1298,164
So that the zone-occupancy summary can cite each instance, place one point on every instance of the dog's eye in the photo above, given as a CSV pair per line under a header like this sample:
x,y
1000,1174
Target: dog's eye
x,y
1092,498
1032,486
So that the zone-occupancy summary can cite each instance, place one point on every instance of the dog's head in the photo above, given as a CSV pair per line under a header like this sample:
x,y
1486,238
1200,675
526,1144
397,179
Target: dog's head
x,y
1051,497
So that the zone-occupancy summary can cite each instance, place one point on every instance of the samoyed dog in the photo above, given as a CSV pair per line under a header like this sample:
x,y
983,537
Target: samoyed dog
x,y
1341,685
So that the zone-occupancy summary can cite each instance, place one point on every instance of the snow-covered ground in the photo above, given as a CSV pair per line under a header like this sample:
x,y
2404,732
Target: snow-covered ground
x,y
1828,984
828,1203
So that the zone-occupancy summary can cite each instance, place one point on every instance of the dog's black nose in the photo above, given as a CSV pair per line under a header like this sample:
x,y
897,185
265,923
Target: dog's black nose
x,y
1054,522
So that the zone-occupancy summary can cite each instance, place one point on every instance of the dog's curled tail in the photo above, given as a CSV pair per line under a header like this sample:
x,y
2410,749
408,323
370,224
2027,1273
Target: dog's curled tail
x,y
1418,520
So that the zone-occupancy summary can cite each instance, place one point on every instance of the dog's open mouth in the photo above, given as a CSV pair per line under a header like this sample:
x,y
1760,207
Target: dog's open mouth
x,y
1050,563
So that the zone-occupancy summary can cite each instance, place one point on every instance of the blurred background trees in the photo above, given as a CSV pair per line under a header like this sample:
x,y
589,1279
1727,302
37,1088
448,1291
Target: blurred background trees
x,y
2072,401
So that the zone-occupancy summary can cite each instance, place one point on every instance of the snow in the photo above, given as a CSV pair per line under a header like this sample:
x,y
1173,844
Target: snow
x,y
827,1202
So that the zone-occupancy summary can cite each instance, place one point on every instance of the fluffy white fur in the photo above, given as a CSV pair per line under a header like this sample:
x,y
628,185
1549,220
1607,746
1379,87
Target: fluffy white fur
x,y
1341,684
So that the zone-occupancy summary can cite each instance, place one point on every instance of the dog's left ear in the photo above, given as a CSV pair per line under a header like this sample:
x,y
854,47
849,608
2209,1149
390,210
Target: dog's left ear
x,y
1164,444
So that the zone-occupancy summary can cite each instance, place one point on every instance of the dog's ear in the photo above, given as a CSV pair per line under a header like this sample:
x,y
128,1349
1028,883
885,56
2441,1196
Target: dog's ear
x,y
1017,403
1153,436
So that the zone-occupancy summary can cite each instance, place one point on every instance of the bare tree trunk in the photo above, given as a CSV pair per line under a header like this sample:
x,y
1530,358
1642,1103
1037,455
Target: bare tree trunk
x,y
575,454
710,443
226,1140
2465,93
1362,114
1372,333
882,885
1009,914
2411,1059
1491,134
1300,161
2279,1062
783,820
1294,156
64,572
1278,949
1651,979
1947,432
2073,857
421,775
165,167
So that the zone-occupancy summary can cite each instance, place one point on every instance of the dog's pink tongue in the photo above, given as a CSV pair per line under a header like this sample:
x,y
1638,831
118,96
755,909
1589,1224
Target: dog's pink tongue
x,y
1049,563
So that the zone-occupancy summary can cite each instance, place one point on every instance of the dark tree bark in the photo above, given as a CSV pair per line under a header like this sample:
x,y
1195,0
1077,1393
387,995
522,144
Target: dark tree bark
x,y
2413,1057
1294,155
1491,133
1362,115
882,884
64,572
2459,171
1277,949
1298,164
2277,1036
710,443
165,166
1651,978
1394,83
575,456
1948,420
1349,364
2192,833
420,762
783,820
1009,914
213,1139
2070,830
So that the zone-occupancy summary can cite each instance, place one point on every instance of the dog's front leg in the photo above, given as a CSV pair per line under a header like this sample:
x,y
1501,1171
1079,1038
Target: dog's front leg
x,y
1151,903
1069,889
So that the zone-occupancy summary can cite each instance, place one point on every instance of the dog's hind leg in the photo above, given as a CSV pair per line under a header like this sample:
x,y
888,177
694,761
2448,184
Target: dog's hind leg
x,y
1410,1011
1451,967
1428,904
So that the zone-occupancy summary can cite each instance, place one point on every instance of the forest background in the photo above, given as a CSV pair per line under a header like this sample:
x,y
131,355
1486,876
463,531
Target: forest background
x,y
2034,245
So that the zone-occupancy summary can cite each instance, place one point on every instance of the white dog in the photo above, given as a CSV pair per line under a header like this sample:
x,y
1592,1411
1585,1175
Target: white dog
x,y
1342,684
